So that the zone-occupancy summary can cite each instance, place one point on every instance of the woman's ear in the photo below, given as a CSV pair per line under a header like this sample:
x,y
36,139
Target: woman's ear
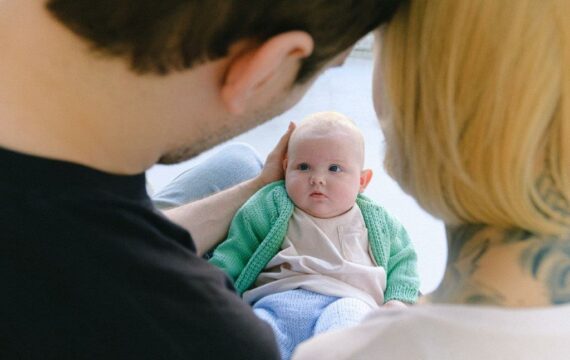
x,y
257,65
365,177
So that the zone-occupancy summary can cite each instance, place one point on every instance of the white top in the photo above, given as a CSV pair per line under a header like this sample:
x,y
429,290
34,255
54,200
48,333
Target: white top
x,y
449,332
327,256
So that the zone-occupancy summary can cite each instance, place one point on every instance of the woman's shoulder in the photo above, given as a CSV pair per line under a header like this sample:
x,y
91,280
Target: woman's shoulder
x,y
448,332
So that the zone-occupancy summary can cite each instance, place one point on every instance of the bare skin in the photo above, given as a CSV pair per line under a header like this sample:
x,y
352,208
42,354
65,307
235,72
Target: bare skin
x,y
507,267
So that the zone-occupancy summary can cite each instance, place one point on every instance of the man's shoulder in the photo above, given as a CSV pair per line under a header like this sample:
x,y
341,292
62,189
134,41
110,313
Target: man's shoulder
x,y
119,283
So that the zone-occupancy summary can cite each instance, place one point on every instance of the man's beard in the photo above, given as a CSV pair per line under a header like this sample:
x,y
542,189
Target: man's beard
x,y
192,150
236,127
222,134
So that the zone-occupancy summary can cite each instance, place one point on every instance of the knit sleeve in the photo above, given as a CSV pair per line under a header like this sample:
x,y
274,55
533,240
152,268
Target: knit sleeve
x,y
403,281
247,230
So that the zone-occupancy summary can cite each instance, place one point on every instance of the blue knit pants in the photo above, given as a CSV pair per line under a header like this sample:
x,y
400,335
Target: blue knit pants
x,y
296,315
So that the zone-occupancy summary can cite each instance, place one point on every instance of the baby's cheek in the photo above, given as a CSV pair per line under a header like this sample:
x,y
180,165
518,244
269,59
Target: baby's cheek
x,y
348,196
293,189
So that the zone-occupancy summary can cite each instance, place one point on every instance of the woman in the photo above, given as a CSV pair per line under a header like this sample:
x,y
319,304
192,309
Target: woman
x,y
474,98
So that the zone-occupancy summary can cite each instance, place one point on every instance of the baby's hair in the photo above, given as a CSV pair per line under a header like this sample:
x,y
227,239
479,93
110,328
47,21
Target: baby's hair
x,y
327,122
478,125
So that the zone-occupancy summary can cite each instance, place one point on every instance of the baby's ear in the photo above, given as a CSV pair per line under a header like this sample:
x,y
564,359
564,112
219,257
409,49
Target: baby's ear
x,y
285,162
365,177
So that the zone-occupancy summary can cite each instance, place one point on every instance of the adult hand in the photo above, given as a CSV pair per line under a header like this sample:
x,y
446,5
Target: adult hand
x,y
273,168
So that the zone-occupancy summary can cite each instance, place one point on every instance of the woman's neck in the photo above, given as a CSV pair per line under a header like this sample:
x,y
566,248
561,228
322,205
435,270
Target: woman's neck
x,y
491,266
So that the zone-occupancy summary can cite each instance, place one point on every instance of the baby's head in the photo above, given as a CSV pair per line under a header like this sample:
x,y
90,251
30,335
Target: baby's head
x,y
324,165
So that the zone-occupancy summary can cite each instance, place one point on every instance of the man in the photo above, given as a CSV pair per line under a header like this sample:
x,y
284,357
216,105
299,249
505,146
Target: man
x,y
93,93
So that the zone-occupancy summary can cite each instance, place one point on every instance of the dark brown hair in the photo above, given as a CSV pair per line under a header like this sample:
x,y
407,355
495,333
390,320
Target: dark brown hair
x,y
162,35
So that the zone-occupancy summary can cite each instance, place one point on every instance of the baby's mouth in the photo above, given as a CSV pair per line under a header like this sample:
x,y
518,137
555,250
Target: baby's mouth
x,y
318,195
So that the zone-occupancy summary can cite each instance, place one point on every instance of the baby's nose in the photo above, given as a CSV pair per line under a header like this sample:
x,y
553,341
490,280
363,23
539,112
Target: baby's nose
x,y
318,180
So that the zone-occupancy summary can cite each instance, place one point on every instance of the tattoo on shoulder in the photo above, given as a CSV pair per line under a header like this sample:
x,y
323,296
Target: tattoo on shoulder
x,y
544,259
551,195
468,244
547,258
548,261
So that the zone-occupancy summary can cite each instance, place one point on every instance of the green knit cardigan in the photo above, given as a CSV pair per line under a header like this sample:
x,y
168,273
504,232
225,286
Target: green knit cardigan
x,y
259,227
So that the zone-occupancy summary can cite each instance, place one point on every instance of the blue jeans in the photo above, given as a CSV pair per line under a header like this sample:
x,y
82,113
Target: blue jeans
x,y
231,165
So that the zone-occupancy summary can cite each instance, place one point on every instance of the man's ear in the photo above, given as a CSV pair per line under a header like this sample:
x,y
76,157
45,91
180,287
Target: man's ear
x,y
365,177
257,65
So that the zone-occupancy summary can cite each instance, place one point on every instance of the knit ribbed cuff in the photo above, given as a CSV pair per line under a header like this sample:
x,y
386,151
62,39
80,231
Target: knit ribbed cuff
x,y
403,293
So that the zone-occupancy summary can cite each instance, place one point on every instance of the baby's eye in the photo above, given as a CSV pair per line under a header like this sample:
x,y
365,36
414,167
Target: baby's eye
x,y
303,167
335,168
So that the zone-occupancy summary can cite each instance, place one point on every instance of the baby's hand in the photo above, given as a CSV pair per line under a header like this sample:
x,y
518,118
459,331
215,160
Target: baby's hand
x,y
395,304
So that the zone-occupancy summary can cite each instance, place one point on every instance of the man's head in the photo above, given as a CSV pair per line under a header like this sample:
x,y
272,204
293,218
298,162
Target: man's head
x,y
164,35
123,84
324,166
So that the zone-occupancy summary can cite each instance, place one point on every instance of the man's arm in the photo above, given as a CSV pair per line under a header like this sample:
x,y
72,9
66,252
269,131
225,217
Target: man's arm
x,y
208,219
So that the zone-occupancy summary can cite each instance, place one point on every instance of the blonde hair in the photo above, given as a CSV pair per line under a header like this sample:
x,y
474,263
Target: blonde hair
x,y
477,122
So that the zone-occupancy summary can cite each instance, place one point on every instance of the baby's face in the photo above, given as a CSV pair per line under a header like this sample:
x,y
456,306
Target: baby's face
x,y
323,173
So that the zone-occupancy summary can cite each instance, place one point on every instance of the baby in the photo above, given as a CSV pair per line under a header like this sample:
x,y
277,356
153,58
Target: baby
x,y
312,254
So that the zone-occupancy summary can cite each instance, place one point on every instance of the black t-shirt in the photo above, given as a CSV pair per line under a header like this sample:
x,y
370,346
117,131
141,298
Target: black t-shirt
x,y
89,269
